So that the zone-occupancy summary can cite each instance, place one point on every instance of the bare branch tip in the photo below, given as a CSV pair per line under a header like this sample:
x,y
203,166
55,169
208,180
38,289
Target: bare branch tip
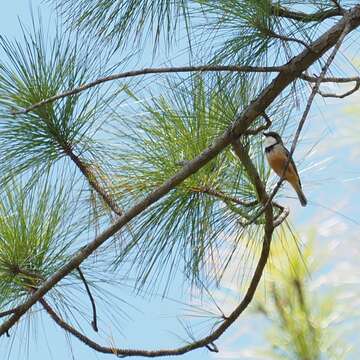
x,y
212,347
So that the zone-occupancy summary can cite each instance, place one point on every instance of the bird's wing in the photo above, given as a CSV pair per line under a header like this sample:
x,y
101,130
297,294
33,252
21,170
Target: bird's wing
x,y
292,163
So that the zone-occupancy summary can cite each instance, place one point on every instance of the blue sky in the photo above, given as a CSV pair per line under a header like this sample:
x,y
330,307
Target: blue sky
x,y
331,179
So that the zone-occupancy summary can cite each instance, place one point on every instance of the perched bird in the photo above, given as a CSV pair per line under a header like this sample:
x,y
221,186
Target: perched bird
x,y
277,156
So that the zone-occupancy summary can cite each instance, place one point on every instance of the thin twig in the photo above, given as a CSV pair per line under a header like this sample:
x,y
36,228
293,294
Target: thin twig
x,y
147,71
285,211
8,312
92,300
212,348
338,80
338,6
279,219
222,196
290,72
29,274
261,128
89,174
286,38
254,176
64,325
343,95
314,79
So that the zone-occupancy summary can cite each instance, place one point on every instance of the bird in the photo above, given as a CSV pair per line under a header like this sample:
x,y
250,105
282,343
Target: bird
x,y
277,156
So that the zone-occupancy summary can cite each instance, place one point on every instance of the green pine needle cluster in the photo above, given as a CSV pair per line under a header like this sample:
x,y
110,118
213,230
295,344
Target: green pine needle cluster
x,y
33,70
189,225
33,239
125,20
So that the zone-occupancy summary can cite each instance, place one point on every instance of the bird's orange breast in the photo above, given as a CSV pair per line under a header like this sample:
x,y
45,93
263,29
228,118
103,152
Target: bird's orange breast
x,y
277,160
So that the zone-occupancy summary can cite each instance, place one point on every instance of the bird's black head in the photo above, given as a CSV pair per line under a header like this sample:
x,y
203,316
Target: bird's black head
x,y
272,138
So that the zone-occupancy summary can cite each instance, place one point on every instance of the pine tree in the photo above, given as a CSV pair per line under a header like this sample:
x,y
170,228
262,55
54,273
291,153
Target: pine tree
x,y
156,171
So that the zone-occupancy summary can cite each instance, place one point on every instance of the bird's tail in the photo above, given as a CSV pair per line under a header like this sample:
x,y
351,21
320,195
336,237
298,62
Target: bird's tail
x,y
301,196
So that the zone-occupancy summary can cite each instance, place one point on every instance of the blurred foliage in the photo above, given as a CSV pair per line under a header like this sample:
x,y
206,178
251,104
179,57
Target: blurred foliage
x,y
300,319
350,132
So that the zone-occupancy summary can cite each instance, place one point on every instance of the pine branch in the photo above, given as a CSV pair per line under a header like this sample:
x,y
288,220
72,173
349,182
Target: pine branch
x,y
9,312
284,38
356,79
70,329
281,11
287,75
340,80
343,95
222,196
92,179
244,158
208,341
148,71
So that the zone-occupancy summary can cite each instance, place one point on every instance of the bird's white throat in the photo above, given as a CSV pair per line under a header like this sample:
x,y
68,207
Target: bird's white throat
x,y
269,141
